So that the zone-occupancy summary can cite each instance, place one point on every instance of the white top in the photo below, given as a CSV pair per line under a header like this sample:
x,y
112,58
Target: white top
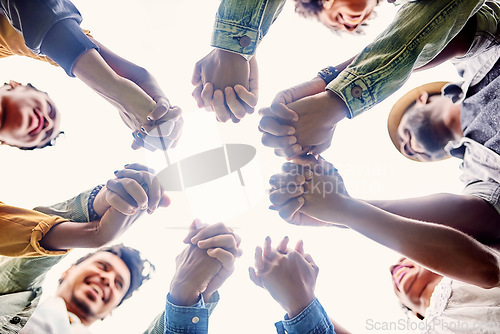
x,y
52,317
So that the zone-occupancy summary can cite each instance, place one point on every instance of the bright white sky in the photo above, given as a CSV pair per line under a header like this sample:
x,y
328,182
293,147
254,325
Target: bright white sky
x,y
168,37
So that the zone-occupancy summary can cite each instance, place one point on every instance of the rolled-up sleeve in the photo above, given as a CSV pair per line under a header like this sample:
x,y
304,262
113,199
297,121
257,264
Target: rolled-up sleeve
x,y
420,31
240,25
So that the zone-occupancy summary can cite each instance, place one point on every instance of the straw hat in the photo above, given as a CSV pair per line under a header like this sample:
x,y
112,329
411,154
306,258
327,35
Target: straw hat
x,y
401,106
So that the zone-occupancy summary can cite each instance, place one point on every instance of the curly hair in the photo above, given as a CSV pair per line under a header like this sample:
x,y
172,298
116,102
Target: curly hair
x,y
308,8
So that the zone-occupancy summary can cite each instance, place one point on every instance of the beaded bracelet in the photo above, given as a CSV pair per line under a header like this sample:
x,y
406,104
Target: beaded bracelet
x,y
90,204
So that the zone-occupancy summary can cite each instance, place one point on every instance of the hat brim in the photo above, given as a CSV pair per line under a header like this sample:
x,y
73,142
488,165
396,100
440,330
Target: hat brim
x,y
402,105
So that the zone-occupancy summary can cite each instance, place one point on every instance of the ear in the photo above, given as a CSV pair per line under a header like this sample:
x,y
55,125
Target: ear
x,y
423,97
66,273
14,84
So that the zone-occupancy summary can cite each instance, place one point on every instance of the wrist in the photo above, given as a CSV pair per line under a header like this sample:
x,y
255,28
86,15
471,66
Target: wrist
x,y
299,306
183,295
97,204
337,108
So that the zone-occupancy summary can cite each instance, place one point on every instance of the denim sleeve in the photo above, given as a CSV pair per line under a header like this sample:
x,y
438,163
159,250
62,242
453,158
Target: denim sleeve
x,y
49,27
241,24
74,209
312,320
419,32
188,319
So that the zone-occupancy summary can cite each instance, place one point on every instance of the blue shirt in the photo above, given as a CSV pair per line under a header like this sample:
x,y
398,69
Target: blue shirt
x,y
312,320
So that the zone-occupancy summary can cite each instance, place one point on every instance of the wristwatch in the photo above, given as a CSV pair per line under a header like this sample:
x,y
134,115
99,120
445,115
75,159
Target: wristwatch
x,y
328,74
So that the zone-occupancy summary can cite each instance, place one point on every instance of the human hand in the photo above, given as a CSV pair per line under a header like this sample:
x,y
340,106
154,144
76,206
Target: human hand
x,y
309,192
134,188
288,274
226,83
163,128
205,264
304,125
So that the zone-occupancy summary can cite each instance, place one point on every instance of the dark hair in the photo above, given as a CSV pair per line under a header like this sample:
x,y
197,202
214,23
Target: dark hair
x,y
308,8
433,137
140,269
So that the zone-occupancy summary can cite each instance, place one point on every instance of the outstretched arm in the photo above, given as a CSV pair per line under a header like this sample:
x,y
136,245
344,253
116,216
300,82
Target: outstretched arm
x,y
460,256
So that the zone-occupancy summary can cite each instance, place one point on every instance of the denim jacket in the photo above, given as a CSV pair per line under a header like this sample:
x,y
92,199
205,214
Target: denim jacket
x,y
241,24
312,320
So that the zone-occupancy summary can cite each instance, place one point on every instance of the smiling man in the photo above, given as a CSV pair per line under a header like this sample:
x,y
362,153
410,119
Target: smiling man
x,y
28,117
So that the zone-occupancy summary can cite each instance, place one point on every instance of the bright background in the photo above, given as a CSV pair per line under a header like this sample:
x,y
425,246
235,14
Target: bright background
x,y
168,37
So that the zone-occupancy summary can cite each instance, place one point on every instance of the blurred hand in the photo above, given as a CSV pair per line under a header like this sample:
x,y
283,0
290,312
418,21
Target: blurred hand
x,y
288,275
205,264
309,192
226,83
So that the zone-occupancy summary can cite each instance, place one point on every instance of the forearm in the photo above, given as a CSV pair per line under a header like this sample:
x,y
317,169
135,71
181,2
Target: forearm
x,y
126,69
469,214
91,68
442,249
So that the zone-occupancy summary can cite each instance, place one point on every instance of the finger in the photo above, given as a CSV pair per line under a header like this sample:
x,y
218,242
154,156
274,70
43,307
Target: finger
x,y
155,192
311,262
221,112
272,126
253,276
139,142
289,211
159,129
161,108
131,188
283,180
211,231
283,195
195,226
226,241
157,142
207,96
259,260
197,95
235,105
250,99
196,77
253,80
139,167
283,112
135,145
267,251
282,247
296,169
225,257
119,203
290,152
285,142
299,247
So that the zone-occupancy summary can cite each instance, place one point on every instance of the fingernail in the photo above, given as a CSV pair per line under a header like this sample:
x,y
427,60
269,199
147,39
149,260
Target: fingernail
x,y
133,210
268,238
301,179
126,165
295,118
149,119
296,148
142,129
140,135
291,131
115,172
292,140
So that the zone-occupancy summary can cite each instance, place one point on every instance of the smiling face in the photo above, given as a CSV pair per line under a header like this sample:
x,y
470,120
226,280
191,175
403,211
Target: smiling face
x,y
422,133
413,285
28,117
346,15
94,287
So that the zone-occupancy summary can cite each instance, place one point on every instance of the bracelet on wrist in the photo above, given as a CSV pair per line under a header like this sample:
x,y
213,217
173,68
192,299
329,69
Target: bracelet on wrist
x,y
90,203
328,74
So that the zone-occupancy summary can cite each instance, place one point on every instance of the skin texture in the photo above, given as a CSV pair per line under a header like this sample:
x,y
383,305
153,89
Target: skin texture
x,y
227,84
320,197
28,117
94,287
289,275
141,103
205,264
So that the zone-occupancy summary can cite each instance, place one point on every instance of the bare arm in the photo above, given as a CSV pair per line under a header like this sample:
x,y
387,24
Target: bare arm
x,y
469,214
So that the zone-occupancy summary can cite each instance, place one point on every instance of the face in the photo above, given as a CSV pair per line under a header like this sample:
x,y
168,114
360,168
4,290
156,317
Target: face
x,y
429,147
346,15
413,284
94,287
28,117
